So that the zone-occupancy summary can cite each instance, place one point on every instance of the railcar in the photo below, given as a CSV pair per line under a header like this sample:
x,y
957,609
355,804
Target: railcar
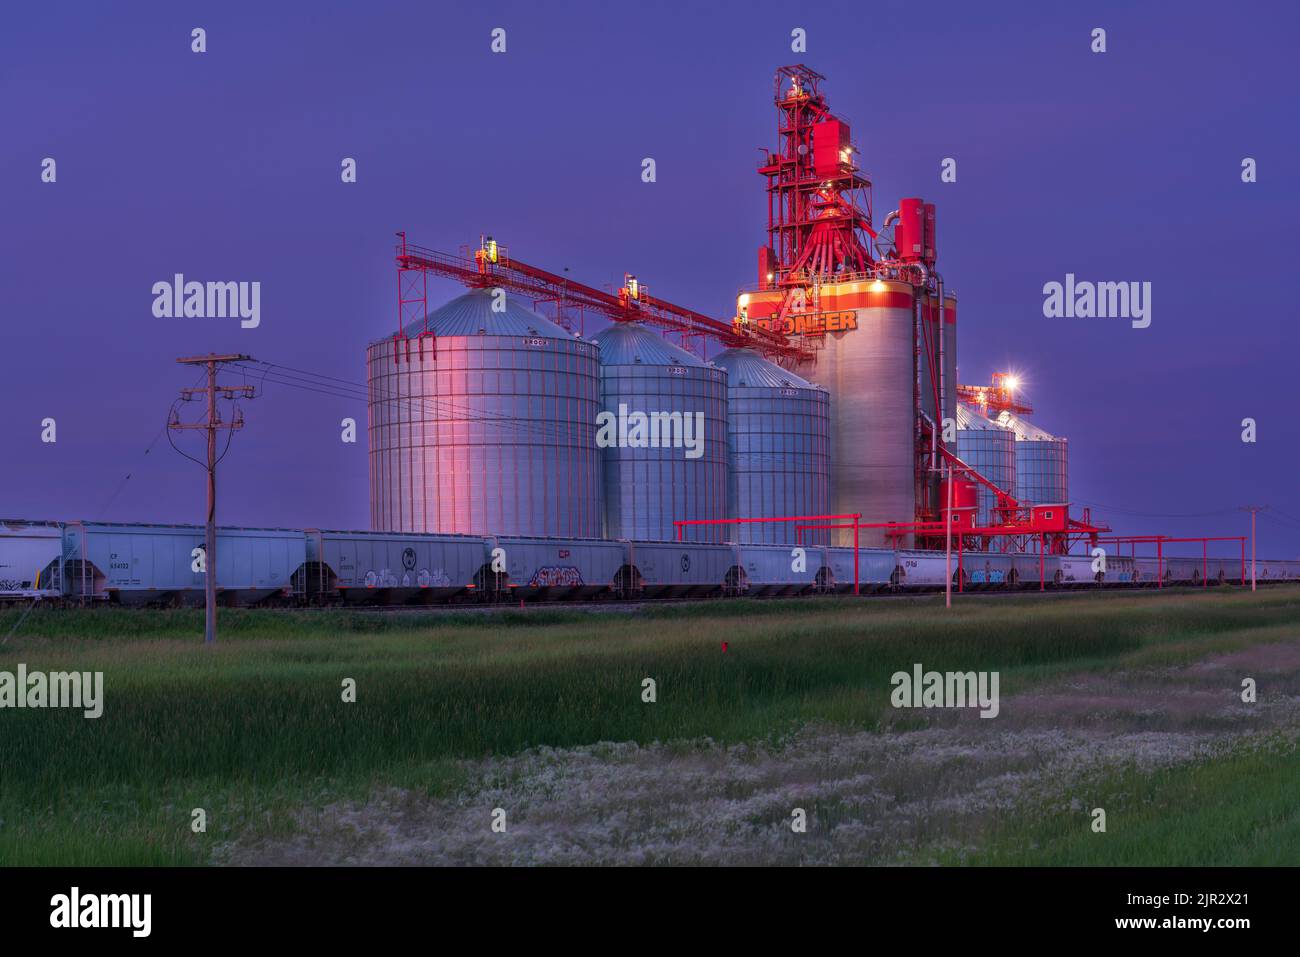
x,y
166,564
31,560
141,564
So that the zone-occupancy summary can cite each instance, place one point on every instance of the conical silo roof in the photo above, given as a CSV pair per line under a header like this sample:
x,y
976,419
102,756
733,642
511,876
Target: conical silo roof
x,y
472,314
970,420
1025,430
628,343
745,367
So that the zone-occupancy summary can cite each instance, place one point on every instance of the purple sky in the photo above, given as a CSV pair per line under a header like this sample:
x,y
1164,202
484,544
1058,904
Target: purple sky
x,y
225,166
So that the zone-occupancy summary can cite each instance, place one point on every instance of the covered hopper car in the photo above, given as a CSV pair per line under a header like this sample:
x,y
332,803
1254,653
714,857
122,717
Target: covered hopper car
x,y
164,565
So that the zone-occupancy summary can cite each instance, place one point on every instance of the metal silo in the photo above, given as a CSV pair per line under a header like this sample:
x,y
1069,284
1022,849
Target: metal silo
x,y
990,449
651,389
485,428
1042,463
944,356
778,447
869,373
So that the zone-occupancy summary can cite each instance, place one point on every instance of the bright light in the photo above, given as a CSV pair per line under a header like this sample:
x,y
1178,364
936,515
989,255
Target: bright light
x,y
877,286
1013,383
744,300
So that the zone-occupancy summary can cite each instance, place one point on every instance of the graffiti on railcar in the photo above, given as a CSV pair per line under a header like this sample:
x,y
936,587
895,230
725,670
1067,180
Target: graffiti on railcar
x,y
556,576
424,578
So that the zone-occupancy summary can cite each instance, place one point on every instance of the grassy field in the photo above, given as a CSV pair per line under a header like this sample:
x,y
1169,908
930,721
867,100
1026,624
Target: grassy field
x,y
255,729
1242,810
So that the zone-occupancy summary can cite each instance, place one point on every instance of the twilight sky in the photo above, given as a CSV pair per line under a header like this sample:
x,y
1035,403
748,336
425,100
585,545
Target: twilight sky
x,y
1123,166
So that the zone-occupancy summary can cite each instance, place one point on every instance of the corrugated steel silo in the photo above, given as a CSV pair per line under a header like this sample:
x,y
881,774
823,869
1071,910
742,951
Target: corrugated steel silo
x,y
778,447
990,449
868,371
495,435
1042,463
647,488
948,374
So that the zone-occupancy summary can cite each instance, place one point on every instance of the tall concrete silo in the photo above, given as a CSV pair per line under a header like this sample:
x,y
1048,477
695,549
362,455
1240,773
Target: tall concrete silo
x,y
778,445
664,438
487,428
866,364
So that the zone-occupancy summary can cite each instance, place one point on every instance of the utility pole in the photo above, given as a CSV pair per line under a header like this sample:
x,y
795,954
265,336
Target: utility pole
x,y
1254,510
212,426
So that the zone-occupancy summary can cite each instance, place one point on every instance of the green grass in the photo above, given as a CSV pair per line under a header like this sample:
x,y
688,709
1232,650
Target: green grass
x,y
1239,810
254,727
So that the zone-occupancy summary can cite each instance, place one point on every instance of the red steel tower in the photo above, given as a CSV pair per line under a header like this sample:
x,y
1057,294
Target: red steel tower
x,y
819,205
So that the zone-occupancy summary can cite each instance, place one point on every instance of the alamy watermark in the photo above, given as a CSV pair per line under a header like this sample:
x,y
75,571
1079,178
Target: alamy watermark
x,y
651,430
209,300
1100,300
74,909
946,689
55,689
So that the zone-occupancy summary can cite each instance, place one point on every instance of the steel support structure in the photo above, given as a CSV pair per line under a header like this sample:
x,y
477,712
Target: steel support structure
x,y
491,266
1161,540
818,213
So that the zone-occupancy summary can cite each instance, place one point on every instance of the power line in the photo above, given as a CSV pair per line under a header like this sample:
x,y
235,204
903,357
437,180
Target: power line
x,y
1275,513
437,408
432,406
171,418
505,425
131,474
1125,511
